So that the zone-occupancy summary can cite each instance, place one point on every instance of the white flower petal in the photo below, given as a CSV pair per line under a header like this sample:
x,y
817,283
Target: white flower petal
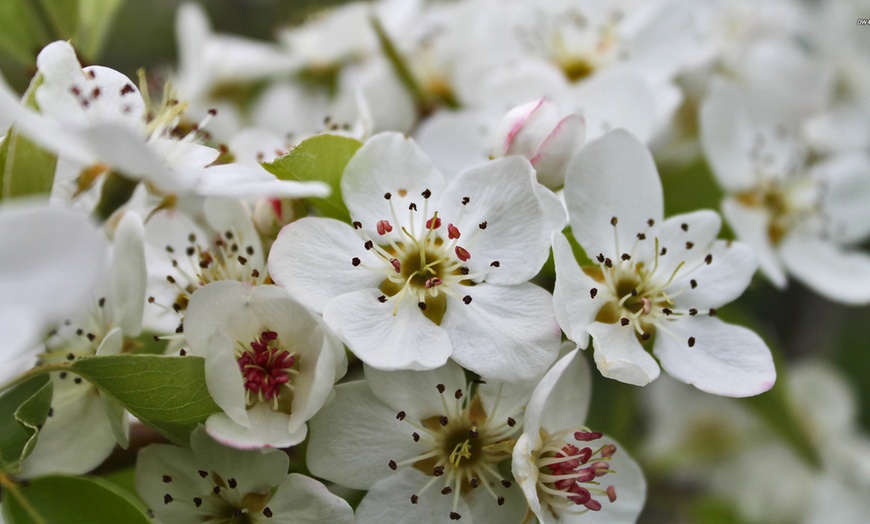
x,y
751,226
77,436
267,428
302,500
719,282
617,98
240,181
129,154
455,140
415,392
389,500
614,176
561,400
501,193
686,238
312,260
355,436
727,135
231,214
723,359
253,470
838,275
575,308
525,471
387,336
387,163
619,355
506,332
846,180
555,152
129,274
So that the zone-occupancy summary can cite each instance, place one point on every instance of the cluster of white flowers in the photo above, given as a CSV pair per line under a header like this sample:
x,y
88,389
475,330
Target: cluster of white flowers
x,y
396,324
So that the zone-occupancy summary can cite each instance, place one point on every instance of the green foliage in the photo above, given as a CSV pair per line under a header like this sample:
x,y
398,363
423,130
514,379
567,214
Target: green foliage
x,y
72,500
167,393
321,157
95,21
22,32
23,410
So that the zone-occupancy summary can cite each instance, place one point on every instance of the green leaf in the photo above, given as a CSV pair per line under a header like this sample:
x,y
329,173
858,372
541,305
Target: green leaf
x,y
62,15
59,499
95,21
25,168
23,410
22,33
321,157
167,393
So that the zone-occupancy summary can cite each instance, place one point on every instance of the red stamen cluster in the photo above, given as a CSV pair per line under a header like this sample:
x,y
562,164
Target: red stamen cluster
x,y
574,469
266,366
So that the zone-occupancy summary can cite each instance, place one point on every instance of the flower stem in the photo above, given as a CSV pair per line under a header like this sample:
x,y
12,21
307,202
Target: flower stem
x,y
34,372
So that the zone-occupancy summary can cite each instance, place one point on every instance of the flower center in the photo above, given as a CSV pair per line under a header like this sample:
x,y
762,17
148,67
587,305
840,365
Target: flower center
x,y
462,447
225,501
422,260
786,202
567,474
268,369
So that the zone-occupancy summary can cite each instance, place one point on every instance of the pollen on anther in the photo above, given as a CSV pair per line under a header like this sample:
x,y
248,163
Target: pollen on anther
x,y
651,222
400,415
626,256
462,253
466,299
440,388
197,501
614,221
415,436
693,312
455,516
414,499
393,465
167,498
388,196
443,420
691,342
624,321
708,259
465,201
689,245
452,232
355,261
511,422
645,335
663,252
593,292
693,283
426,193
382,298
447,490
684,227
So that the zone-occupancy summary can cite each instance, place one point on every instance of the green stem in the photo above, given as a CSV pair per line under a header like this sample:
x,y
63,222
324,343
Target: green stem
x,y
34,372
13,490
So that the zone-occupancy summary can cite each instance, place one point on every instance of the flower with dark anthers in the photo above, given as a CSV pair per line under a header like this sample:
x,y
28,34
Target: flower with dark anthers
x,y
210,483
97,119
184,256
802,214
270,364
84,426
566,470
430,270
652,278
426,445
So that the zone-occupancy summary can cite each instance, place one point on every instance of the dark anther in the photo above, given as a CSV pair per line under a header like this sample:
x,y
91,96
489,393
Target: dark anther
x,y
412,206
182,352
400,415
463,270
634,292
382,299
426,193
440,388
613,221
101,302
216,490
455,516
170,279
708,259
393,465
663,252
203,473
242,260
506,483
467,299
641,236
608,262
482,225
70,356
473,433
167,479
369,244
267,512
355,261
689,245
457,394
495,263
438,471
684,227
666,311
500,500
511,422
693,283
190,251
624,321
650,222
249,250
593,292
167,498
693,312
421,305
357,224
388,196
645,335
442,420
474,482
600,258
465,201
63,374
447,490
232,483
416,436
691,342
77,380
414,499
197,501
712,312
626,256
255,273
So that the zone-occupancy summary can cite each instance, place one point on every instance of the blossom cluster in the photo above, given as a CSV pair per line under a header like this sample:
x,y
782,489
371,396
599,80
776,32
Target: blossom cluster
x,y
369,288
